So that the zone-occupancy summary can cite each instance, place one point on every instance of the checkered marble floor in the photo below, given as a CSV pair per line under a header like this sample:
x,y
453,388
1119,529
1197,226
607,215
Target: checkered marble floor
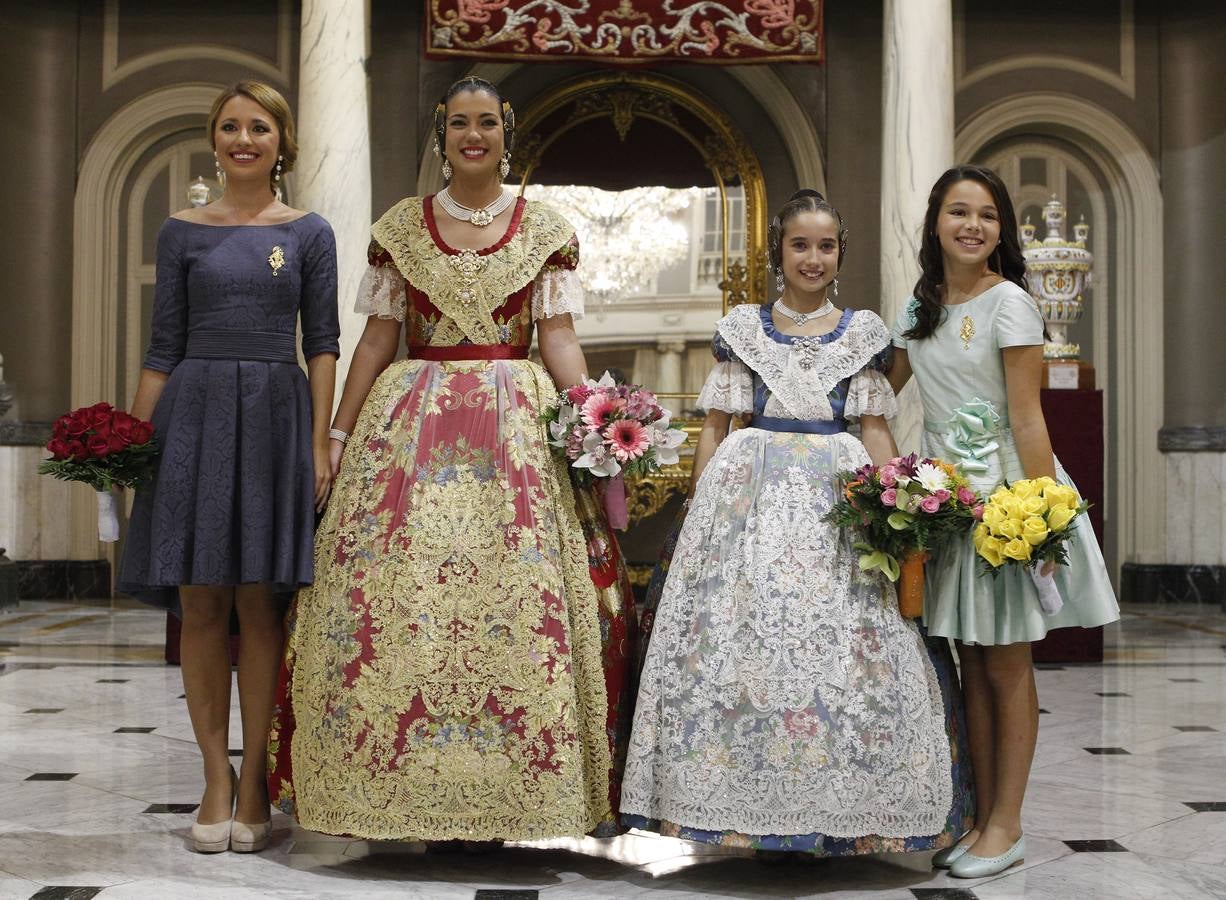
x,y
99,780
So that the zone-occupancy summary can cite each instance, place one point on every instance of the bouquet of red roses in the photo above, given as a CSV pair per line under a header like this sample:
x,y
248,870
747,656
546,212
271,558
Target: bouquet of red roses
x,y
105,448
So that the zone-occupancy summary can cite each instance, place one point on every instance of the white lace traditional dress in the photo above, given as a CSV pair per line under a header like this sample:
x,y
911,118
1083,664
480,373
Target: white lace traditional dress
x,y
782,694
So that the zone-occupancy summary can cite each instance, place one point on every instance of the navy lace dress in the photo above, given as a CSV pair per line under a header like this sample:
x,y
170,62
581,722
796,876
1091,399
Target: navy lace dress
x,y
232,501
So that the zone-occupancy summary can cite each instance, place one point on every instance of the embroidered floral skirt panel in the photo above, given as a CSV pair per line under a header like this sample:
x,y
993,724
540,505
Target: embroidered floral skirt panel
x,y
782,695
445,666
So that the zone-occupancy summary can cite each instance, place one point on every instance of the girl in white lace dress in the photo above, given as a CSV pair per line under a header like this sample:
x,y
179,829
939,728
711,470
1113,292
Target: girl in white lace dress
x,y
784,703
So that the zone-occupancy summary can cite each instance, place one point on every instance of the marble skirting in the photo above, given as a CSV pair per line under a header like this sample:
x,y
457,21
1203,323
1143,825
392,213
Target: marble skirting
x,y
63,579
1147,583
24,434
1192,439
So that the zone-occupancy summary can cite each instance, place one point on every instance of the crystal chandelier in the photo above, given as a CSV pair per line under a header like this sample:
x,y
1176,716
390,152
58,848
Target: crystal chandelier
x,y
626,238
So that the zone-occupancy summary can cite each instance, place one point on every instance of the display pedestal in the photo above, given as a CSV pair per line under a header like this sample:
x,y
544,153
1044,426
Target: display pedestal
x,y
1075,425
1068,374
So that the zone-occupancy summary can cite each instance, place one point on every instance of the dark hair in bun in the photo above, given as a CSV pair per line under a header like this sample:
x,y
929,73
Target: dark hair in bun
x,y
473,83
804,200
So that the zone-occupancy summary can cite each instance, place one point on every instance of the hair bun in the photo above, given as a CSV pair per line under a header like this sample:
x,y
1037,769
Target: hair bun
x,y
806,192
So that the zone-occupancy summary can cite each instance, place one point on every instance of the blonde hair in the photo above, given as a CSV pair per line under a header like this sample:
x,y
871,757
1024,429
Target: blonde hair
x,y
275,105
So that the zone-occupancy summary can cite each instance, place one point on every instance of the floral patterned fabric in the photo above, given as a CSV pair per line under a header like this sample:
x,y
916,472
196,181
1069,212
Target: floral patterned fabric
x,y
784,703
446,666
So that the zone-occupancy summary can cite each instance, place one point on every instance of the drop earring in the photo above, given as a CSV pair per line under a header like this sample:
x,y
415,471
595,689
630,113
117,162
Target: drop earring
x,y
446,169
779,281
276,172
221,176
836,287
504,165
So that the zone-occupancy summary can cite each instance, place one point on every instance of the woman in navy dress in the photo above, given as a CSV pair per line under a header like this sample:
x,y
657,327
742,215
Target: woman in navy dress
x,y
227,523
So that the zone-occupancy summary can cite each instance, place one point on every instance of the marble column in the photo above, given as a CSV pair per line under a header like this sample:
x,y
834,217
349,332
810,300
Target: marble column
x,y
668,380
917,146
1193,439
332,176
38,156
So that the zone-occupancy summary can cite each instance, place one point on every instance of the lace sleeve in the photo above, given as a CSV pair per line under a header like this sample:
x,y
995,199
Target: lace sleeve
x,y
556,292
870,394
382,294
729,388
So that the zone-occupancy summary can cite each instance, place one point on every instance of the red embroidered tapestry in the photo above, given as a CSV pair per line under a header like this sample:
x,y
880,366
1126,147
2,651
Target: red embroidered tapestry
x,y
627,31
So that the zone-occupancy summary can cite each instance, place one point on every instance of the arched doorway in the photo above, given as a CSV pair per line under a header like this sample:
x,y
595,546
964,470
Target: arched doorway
x,y
1125,175
668,140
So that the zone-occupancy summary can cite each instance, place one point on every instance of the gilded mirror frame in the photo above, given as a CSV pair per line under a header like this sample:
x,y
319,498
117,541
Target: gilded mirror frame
x,y
623,97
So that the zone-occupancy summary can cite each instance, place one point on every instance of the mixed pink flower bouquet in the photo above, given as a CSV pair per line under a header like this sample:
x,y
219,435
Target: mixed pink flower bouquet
x,y
607,431
901,511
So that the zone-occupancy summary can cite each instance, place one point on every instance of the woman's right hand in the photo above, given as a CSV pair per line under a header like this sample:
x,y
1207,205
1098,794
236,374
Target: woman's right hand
x,y
335,450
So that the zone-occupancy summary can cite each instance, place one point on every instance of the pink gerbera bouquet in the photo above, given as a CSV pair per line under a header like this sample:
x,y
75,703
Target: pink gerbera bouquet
x,y
606,430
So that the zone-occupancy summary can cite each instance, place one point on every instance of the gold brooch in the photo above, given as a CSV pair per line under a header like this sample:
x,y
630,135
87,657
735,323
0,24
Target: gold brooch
x,y
468,266
276,260
967,332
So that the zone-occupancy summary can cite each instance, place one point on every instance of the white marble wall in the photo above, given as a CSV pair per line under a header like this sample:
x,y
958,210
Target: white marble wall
x,y
333,171
34,509
917,146
1195,510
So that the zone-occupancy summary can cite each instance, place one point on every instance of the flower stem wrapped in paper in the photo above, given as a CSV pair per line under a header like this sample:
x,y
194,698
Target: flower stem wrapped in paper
x,y
901,511
607,431
105,448
1027,523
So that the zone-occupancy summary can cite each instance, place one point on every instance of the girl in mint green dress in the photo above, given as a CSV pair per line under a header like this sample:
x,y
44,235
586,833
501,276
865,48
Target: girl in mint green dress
x,y
973,337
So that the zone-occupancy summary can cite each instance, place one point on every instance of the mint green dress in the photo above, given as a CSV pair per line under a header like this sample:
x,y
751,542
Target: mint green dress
x,y
960,366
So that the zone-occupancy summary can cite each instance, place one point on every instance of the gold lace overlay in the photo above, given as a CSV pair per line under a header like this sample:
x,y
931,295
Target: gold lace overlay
x,y
467,287
447,674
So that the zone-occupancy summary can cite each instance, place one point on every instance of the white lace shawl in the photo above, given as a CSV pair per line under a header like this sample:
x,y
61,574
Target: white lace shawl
x,y
556,292
798,392
382,293
729,388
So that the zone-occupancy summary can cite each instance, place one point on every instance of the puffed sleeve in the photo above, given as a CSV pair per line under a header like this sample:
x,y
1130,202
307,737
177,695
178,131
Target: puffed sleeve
x,y
556,290
168,340
729,387
869,394
905,322
321,329
1018,321
382,292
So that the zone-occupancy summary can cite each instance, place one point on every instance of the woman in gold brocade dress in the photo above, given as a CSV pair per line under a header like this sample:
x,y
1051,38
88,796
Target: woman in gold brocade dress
x,y
446,665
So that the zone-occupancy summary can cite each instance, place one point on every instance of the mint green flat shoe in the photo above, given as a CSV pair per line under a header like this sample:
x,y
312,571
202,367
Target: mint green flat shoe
x,y
943,859
968,865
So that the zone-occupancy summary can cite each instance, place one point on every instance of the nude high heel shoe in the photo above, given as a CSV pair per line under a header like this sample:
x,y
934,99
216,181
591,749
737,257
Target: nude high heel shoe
x,y
250,838
246,838
215,838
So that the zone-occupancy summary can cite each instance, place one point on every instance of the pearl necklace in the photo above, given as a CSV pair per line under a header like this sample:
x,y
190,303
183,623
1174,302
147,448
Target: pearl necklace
x,y
479,217
800,318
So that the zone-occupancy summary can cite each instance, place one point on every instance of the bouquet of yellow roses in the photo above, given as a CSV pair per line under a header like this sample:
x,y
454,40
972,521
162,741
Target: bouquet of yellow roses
x,y
1027,523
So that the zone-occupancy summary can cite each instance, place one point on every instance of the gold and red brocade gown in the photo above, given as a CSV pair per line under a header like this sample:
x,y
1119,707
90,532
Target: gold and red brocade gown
x,y
461,664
